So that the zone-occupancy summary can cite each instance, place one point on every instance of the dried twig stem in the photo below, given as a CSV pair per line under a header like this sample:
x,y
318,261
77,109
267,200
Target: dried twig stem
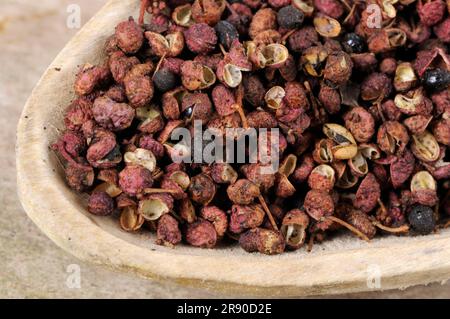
x,y
268,213
394,230
238,106
348,226
143,8
159,190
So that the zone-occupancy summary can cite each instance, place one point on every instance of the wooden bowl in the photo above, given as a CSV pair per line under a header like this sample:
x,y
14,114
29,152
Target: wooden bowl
x,y
344,264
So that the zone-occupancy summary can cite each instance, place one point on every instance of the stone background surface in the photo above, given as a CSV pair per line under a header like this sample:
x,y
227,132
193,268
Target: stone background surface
x,y
31,266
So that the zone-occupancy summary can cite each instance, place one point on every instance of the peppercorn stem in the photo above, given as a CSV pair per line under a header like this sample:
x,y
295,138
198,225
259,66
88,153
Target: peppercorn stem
x,y
348,226
229,7
351,13
401,229
144,6
157,173
382,207
267,210
159,64
238,106
159,190
287,35
346,4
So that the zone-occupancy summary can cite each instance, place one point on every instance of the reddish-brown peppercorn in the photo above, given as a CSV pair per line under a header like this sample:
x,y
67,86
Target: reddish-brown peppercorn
x,y
168,232
374,86
330,99
243,192
264,19
129,36
361,222
112,115
201,234
318,204
338,68
217,217
303,38
223,99
360,123
262,240
91,77
388,66
201,38
431,12
332,8
402,169
134,179
202,189
100,203
368,194
442,30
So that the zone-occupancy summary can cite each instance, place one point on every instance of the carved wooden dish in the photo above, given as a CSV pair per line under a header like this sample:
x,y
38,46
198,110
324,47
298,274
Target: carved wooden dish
x,y
344,264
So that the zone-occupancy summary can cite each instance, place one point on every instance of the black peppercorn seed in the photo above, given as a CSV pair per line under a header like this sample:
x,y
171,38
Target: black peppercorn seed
x,y
226,32
290,17
164,80
187,113
421,219
436,80
353,43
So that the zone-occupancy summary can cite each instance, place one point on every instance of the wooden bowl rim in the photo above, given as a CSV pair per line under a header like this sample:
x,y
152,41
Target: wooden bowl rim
x,y
411,261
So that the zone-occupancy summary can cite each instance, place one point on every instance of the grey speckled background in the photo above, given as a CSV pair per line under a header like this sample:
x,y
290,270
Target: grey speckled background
x,y
31,266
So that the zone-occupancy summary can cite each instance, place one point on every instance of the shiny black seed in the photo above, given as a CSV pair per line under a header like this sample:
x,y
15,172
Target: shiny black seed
x,y
164,80
436,80
290,17
353,43
187,113
226,32
421,219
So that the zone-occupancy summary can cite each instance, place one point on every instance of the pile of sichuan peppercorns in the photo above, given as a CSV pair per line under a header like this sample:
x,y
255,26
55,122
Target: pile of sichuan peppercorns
x,y
362,102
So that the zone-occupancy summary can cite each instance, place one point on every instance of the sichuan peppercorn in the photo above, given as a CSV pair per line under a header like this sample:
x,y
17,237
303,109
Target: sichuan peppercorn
x,y
365,110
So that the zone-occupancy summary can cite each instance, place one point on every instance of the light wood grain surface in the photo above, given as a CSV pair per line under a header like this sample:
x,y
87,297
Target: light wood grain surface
x,y
31,34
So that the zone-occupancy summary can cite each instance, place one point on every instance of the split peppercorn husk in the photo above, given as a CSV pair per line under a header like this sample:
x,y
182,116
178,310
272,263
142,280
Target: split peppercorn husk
x,y
363,114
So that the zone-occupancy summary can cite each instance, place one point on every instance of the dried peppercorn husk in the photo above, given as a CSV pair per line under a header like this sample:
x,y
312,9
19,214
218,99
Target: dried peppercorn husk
x,y
327,26
130,219
293,228
153,206
425,147
423,189
392,137
170,45
196,76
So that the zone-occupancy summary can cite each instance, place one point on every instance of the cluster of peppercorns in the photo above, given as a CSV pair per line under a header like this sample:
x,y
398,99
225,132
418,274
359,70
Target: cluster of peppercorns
x,y
364,113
